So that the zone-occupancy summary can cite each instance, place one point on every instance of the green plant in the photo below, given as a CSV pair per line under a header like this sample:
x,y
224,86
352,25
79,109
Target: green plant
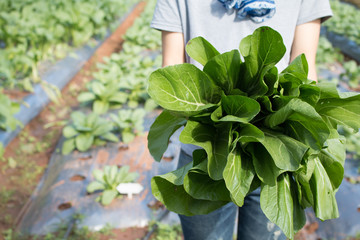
x,y
7,110
8,234
107,181
326,53
84,131
256,128
103,96
129,123
352,74
6,195
122,77
107,230
130,70
352,141
165,231
30,33
345,20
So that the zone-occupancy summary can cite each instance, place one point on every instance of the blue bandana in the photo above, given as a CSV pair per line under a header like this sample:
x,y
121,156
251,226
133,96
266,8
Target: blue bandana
x,y
257,10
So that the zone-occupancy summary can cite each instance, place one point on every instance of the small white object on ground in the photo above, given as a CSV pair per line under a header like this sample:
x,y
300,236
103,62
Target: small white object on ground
x,y
129,188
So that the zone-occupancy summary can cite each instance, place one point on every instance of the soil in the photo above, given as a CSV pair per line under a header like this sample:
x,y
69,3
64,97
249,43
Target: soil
x,y
32,148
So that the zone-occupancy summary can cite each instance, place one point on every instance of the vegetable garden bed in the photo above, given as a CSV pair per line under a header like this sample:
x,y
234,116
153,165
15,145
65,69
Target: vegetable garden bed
x,y
28,154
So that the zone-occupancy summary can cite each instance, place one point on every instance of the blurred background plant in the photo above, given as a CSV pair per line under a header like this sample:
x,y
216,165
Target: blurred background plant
x,y
107,180
33,31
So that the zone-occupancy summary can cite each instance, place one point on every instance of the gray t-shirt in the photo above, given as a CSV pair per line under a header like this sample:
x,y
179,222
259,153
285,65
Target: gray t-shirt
x,y
209,19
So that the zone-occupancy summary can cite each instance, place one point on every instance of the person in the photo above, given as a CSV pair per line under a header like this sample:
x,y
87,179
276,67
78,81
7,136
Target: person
x,y
224,23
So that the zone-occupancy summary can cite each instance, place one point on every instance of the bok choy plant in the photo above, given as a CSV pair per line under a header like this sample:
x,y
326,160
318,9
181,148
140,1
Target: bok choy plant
x,y
86,131
256,127
107,181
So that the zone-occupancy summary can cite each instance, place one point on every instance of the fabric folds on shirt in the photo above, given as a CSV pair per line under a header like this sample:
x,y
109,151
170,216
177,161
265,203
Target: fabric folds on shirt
x,y
256,10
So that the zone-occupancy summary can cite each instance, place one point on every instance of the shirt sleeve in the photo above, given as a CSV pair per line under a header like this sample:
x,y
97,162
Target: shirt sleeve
x,y
167,16
314,9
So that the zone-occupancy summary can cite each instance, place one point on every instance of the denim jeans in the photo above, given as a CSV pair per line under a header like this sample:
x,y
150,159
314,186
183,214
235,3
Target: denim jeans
x,y
219,224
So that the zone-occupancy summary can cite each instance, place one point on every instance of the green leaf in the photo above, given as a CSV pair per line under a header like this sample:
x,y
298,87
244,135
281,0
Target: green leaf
x,y
200,50
108,196
110,137
199,185
119,97
294,75
127,136
124,176
302,179
271,78
199,156
86,97
332,158
329,90
261,51
264,165
299,211
302,122
94,186
100,106
69,132
238,174
250,133
239,108
325,204
160,132
224,70
93,120
183,88
78,118
68,146
112,175
343,111
169,190
277,204
102,128
215,141
98,175
309,94
84,141
98,88
286,152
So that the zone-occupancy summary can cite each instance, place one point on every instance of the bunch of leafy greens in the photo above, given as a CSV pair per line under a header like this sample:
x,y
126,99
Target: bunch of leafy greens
x,y
256,128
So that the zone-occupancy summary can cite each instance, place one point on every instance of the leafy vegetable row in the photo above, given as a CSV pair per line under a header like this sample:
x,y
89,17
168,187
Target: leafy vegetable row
x,y
345,20
256,127
120,82
32,31
85,131
328,56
